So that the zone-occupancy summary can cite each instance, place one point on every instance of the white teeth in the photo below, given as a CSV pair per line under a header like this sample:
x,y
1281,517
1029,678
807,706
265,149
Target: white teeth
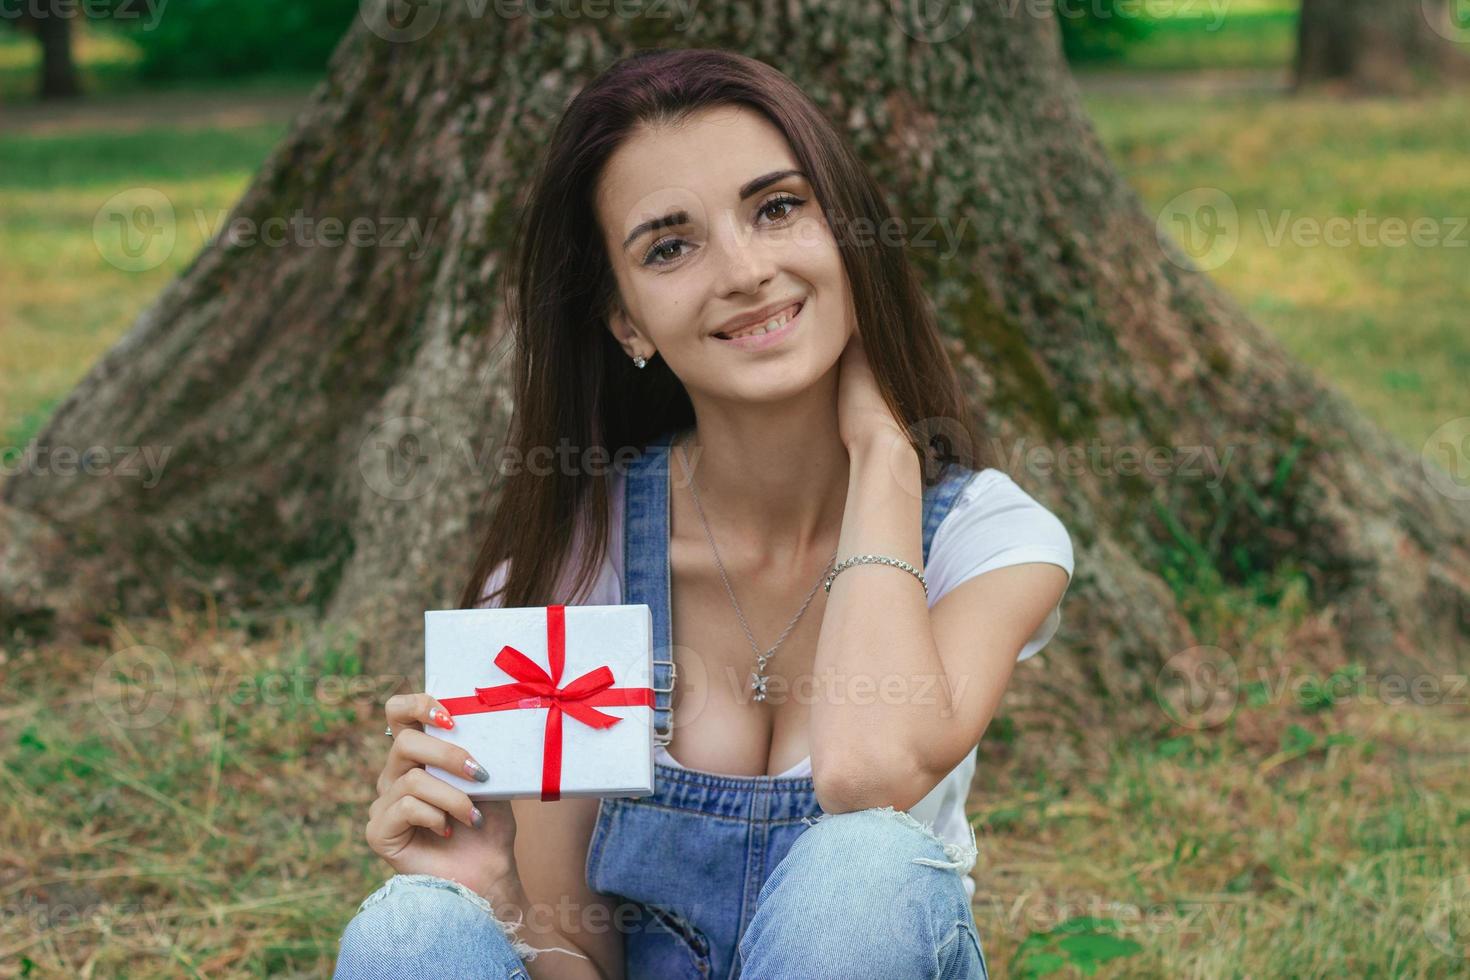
x,y
775,324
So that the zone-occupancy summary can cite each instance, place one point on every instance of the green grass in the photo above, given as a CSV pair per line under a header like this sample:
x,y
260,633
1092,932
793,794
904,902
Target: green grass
x,y
66,303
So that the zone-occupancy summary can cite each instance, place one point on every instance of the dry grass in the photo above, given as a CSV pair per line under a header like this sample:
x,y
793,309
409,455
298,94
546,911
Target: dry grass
x,y
187,801
1317,824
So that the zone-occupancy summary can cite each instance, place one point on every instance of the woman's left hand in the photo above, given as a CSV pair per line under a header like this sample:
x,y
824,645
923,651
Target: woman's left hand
x,y
861,411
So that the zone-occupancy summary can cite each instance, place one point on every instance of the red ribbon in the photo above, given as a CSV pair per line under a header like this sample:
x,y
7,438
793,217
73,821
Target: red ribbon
x,y
536,689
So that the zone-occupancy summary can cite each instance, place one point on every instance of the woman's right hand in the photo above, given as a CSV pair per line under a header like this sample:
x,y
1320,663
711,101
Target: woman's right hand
x,y
411,824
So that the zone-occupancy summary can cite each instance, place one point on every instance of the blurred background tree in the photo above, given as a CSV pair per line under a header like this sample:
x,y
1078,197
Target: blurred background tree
x,y
1381,45
46,22
218,39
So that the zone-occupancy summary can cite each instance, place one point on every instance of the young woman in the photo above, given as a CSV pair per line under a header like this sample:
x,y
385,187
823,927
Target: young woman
x,y
768,449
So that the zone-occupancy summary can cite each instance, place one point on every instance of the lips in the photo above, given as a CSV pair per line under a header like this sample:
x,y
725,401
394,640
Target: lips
x,y
790,312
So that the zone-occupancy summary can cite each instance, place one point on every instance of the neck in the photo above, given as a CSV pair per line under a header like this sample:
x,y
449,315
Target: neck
x,y
775,475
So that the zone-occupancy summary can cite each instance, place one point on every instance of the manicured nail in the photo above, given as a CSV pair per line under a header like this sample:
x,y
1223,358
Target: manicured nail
x,y
448,830
441,718
477,818
475,772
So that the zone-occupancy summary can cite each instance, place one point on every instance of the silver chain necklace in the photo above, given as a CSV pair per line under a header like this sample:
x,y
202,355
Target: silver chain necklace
x,y
758,677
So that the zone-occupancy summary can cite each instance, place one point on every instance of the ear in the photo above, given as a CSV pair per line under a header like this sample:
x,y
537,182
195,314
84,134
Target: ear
x,y
625,333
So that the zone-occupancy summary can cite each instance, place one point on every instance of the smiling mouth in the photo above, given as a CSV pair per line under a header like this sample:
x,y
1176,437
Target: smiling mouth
x,y
775,323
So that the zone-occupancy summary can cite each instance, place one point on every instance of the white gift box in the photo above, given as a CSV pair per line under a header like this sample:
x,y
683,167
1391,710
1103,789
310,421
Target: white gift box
x,y
465,653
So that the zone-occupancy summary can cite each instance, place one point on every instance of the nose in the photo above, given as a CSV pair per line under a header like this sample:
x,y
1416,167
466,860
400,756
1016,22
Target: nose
x,y
747,263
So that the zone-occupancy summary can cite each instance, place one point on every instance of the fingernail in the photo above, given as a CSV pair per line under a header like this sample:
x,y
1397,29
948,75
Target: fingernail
x,y
448,830
475,771
477,818
441,718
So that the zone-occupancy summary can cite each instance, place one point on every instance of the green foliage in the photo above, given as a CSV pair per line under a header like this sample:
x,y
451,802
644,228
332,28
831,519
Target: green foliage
x,y
1178,34
1083,943
41,763
1003,729
1099,30
211,38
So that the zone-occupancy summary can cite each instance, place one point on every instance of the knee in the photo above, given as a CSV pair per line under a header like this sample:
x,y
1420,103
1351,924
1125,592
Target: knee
x,y
874,827
858,891
877,851
881,833
417,924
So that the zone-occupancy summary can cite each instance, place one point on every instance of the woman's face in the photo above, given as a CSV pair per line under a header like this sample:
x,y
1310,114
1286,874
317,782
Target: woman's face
x,y
706,224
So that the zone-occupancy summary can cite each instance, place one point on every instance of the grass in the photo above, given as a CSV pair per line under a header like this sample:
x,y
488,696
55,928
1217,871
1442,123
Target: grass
x,y
1311,820
214,830
66,302
217,832
187,799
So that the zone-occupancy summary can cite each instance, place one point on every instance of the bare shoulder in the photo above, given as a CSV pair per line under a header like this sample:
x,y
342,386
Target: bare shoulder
x,y
551,856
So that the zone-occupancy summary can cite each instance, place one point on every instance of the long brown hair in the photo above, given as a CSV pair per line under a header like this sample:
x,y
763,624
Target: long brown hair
x,y
574,385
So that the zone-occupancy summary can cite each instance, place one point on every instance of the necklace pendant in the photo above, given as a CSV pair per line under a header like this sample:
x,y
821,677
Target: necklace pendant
x,y
758,685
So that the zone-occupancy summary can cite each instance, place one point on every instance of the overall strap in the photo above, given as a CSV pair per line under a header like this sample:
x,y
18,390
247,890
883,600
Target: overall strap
x,y
646,568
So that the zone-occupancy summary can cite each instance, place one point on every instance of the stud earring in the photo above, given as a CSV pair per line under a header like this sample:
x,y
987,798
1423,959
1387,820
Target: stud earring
x,y
638,360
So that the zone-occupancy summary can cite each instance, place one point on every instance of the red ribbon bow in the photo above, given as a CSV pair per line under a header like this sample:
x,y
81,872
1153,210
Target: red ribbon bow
x,y
536,689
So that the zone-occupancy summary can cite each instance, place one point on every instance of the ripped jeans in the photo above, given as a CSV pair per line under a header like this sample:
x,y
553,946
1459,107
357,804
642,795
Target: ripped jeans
x,y
870,893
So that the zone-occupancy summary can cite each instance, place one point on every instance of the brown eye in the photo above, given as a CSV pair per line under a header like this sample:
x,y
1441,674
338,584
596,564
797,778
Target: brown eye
x,y
660,254
786,201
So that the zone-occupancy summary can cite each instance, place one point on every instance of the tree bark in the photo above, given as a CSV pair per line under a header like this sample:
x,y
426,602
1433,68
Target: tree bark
x,y
288,381
1379,46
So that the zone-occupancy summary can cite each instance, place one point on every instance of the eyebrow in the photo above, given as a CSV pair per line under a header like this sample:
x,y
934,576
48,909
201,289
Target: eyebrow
x,y
675,218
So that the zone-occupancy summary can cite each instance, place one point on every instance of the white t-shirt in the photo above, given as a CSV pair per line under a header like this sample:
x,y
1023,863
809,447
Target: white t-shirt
x,y
991,524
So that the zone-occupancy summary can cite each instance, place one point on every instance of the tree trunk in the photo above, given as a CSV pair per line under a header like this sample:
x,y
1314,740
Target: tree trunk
x,y
332,415
1380,46
58,69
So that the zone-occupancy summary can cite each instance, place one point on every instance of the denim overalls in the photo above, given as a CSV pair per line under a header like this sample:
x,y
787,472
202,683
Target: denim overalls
x,y
865,894
695,854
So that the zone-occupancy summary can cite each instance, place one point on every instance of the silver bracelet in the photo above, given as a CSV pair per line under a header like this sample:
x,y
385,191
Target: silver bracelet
x,y
875,559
